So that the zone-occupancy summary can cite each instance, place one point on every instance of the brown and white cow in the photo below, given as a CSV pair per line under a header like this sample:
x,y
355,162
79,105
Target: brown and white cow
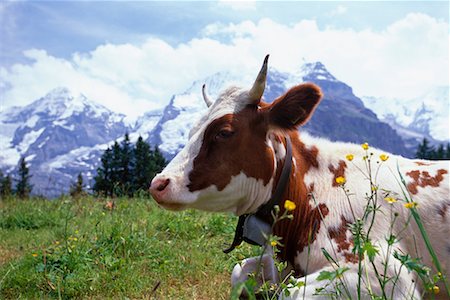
x,y
232,163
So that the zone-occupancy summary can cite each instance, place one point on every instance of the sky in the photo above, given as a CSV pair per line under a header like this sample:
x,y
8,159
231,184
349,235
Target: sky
x,y
133,56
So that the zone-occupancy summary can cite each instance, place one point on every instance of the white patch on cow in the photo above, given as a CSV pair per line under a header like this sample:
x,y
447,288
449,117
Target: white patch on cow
x,y
178,172
277,146
294,166
242,195
270,144
230,101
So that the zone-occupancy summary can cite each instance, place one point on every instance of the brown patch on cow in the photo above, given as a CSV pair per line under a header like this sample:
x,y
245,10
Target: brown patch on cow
x,y
424,179
351,257
443,209
337,172
298,233
344,245
232,144
419,163
339,234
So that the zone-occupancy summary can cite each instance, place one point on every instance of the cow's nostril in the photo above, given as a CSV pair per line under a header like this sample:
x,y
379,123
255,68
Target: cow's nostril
x,y
162,185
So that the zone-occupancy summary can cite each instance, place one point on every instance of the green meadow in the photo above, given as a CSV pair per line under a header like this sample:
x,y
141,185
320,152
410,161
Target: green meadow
x,y
81,248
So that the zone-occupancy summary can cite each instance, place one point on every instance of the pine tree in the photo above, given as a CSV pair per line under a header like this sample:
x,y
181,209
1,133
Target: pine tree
x,y
76,190
126,169
447,151
23,187
126,153
5,185
440,152
158,162
116,170
103,181
142,171
2,177
424,150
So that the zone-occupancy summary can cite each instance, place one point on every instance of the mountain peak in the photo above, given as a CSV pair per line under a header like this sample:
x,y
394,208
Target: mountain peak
x,y
316,71
61,102
59,91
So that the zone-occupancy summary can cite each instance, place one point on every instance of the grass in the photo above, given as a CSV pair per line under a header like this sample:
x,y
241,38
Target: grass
x,y
70,248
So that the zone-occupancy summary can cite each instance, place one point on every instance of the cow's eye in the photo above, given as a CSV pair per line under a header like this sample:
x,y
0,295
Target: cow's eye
x,y
224,134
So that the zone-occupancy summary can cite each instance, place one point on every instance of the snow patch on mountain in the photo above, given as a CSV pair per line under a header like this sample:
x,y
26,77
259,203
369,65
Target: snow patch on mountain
x,y
28,139
424,115
145,124
175,132
77,156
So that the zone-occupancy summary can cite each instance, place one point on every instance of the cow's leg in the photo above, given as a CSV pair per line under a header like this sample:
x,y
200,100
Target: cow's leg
x,y
346,285
264,266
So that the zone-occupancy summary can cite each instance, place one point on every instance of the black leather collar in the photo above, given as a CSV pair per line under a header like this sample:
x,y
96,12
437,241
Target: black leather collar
x,y
252,228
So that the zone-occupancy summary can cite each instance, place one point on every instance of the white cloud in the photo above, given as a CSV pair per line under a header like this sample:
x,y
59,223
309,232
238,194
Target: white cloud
x,y
404,60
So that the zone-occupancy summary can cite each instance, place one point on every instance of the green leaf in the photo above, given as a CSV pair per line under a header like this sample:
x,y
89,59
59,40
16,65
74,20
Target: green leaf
x,y
326,275
328,256
370,249
391,240
412,264
331,275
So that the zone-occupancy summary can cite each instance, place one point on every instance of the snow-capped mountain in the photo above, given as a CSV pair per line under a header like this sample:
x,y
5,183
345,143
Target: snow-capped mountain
x,y
426,116
341,115
59,135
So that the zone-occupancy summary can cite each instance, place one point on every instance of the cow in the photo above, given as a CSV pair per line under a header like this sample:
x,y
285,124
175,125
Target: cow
x,y
233,162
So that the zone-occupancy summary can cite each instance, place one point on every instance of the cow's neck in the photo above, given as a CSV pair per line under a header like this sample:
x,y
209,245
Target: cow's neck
x,y
296,234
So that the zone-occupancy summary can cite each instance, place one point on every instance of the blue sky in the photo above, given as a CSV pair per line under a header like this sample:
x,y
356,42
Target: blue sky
x,y
132,52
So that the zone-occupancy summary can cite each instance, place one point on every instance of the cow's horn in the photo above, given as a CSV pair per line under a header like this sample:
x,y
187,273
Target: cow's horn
x,y
205,97
257,90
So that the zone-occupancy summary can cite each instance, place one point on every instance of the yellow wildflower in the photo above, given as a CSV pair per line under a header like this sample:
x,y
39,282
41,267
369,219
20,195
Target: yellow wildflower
x,y
411,204
289,205
435,289
349,157
384,157
365,146
34,254
273,243
56,242
340,180
75,239
390,200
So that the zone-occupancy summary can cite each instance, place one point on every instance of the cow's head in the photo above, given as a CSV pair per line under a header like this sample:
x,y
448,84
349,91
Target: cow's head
x,y
230,160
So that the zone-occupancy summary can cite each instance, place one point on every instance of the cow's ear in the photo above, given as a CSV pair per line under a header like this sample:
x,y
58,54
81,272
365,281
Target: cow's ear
x,y
295,107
